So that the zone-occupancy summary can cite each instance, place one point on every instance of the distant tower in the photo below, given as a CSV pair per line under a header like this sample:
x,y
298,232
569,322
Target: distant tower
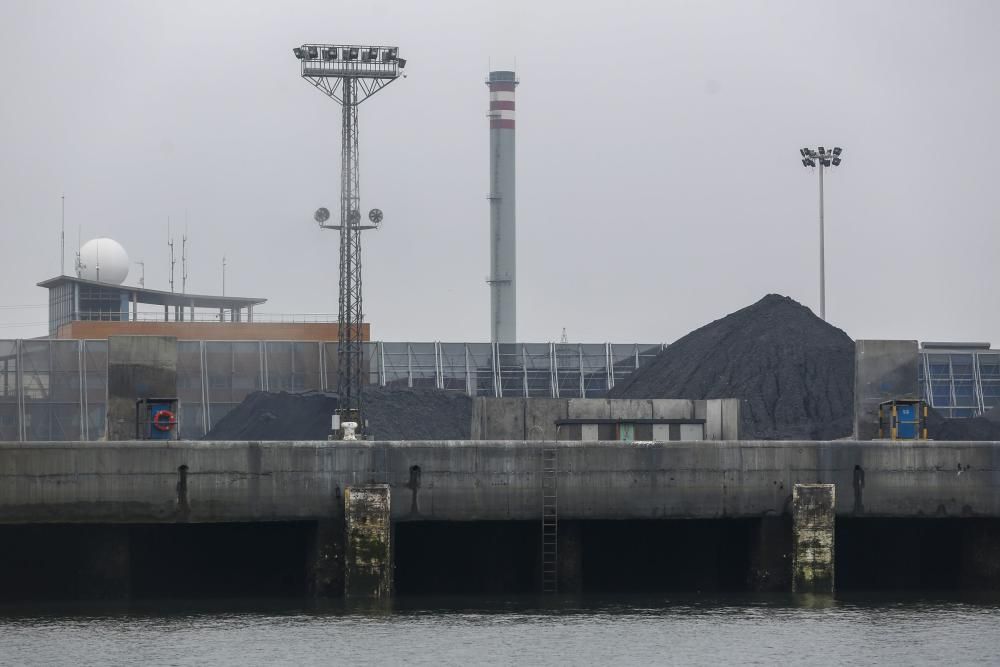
x,y
503,241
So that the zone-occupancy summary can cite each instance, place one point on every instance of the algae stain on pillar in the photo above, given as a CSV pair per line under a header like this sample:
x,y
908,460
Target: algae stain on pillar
x,y
368,560
813,521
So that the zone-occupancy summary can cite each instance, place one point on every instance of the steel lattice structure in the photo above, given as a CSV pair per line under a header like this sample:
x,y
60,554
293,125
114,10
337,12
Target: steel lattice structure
x,y
350,74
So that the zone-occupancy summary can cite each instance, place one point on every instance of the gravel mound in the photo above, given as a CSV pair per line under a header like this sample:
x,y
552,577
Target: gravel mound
x,y
794,372
392,414
986,427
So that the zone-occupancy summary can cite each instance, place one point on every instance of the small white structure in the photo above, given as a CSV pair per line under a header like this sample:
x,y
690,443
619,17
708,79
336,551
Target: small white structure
x,y
348,430
103,260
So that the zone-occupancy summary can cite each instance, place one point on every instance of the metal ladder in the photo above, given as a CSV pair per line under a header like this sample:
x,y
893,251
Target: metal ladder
x,y
550,523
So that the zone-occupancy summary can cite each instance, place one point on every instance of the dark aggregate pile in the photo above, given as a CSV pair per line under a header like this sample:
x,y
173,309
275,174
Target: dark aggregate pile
x,y
986,427
392,414
794,372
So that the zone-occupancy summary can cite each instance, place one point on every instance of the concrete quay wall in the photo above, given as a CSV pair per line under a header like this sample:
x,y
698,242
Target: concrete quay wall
x,y
145,482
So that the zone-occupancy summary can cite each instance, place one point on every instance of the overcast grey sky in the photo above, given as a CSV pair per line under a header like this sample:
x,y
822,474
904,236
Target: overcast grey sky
x,y
659,185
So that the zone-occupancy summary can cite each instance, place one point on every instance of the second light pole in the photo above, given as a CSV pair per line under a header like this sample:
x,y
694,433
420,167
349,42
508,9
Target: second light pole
x,y
822,158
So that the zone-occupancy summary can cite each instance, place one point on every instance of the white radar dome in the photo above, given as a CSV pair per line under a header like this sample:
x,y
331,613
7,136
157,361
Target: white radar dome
x,y
104,260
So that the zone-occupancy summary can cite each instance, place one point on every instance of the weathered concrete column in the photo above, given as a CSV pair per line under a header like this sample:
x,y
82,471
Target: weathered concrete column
x,y
813,520
368,560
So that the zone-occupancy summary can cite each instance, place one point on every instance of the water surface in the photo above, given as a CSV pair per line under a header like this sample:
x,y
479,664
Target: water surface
x,y
860,629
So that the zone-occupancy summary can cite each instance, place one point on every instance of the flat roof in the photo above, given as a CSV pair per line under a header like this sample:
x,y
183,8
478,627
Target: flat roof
x,y
939,345
160,297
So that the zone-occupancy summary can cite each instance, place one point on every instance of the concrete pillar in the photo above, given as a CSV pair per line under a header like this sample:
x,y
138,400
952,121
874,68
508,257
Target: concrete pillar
x,y
368,560
813,519
138,367
325,559
771,555
883,370
570,554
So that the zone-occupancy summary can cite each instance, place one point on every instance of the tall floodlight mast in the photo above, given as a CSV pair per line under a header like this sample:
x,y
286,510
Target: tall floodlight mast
x,y
349,74
824,159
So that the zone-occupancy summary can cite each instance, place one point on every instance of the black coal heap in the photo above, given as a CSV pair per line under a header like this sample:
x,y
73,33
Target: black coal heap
x,y
392,414
794,372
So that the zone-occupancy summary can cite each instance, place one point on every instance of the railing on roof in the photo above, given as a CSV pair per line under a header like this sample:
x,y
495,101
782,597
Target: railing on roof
x,y
201,316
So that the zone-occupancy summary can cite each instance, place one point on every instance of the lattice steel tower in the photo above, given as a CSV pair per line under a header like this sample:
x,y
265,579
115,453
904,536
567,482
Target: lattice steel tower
x,y
349,74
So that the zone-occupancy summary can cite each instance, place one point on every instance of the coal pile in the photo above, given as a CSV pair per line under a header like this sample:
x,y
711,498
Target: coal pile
x,y
392,414
794,372
986,427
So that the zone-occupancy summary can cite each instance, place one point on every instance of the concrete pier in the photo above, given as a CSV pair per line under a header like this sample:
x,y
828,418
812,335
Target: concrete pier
x,y
368,561
139,482
813,507
94,520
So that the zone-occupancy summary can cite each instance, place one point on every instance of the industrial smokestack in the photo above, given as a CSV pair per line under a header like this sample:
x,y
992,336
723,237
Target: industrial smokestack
x,y
503,240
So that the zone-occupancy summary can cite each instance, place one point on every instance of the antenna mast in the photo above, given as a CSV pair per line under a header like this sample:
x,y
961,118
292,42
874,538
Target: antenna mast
x,y
79,241
62,240
223,275
142,277
170,243
184,265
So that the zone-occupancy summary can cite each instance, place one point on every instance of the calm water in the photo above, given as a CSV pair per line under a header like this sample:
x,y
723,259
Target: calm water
x,y
735,630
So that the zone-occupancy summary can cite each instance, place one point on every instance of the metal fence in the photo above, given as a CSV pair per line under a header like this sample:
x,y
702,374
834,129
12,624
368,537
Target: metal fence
x,y
960,383
57,389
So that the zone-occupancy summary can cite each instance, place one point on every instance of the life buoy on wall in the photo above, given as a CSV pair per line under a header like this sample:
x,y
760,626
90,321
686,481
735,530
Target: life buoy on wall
x,y
164,420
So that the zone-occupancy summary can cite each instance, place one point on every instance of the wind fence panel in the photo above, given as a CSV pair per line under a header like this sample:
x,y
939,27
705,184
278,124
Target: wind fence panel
x,y
233,371
95,382
330,365
481,369
397,364
50,378
989,375
595,369
190,389
538,367
372,359
10,422
423,365
624,361
939,381
511,370
455,371
292,366
963,385
568,380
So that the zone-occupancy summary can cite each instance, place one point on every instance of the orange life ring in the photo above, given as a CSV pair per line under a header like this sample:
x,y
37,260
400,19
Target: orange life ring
x,y
164,420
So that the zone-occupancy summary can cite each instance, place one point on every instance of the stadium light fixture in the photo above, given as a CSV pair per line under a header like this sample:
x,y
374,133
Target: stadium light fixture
x,y
826,160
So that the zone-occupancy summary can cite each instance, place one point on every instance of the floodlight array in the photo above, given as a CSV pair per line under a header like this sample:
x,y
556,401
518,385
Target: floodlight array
x,y
349,53
820,156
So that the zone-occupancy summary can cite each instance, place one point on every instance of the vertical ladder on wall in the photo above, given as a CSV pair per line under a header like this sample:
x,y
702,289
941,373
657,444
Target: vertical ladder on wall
x,y
550,523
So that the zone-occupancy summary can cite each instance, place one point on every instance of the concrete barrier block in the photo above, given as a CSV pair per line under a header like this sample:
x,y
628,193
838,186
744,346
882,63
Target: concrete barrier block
x,y
589,408
672,408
